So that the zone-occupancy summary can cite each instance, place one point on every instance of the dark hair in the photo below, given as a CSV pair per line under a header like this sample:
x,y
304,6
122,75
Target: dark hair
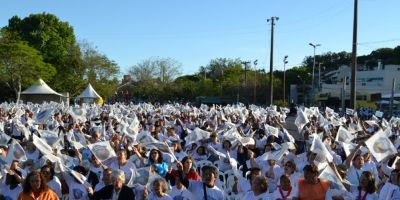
x,y
27,189
52,173
202,147
207,168
12,179
179,147
253,170
262,182
81,170
394,171
292,164
229,143
311,168
371,187
160,156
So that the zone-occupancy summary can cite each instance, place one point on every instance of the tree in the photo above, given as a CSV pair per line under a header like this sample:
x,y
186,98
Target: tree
x,y
21,65
100,71
163,69
55,40
217,67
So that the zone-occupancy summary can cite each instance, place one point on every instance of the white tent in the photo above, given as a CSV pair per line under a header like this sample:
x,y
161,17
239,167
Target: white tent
x,y
40,92
89,94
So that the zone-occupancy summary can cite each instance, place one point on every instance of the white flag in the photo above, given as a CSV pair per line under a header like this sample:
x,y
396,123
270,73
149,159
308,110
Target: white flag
x,y
343,135
348,148
102,150
15,152
4,139
77,114
44,148
270,130
145,137
319,148
43,116
301,120
329,174
380,146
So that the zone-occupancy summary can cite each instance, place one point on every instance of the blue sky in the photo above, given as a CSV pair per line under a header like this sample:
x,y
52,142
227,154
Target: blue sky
x,y
194,32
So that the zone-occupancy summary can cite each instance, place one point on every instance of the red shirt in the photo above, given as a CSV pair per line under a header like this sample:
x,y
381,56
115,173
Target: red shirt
x,y
192,175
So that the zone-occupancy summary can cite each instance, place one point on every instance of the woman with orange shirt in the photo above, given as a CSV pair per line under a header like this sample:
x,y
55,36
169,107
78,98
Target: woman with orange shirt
x,y
35,188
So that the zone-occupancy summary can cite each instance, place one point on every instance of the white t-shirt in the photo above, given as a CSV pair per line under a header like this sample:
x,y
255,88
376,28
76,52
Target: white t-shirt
x,y
387,191
272,182
294,179
97,170
76,191
55,185
180,155
34,156
153,196
243,186
353,176
277,194
340,193
372,196
11,194
263,196
180,194
214,193
99,186
127,168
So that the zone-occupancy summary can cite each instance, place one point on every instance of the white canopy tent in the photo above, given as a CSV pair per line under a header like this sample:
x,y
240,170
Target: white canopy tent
x,y
89,94
41,92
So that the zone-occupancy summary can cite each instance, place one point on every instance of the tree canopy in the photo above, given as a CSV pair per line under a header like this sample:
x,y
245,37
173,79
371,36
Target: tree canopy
x,y
21,65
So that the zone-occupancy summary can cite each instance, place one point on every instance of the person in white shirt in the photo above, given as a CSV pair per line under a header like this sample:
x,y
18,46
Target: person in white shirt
x,y
284,190
370,165
367,188
123,164
391,186
241,185
12,187
179,191
178,151
159,190
106,180
259,189
272,171
354,162
206,187
290,170
52,181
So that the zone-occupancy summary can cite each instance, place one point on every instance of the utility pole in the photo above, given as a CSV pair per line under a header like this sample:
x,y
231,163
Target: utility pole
x,y
319,76
344,95
245,93
245,72
354,59
284,79
313,75
392,97
271,62
255,82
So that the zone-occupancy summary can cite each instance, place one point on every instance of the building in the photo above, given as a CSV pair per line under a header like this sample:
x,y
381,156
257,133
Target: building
x,y
371,85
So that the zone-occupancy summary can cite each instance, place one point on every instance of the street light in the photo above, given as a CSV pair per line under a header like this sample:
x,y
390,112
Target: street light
x,y
284,79
304,90
313,69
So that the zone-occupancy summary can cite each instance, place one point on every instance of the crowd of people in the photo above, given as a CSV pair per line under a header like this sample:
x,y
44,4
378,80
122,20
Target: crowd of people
x,y
181,152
